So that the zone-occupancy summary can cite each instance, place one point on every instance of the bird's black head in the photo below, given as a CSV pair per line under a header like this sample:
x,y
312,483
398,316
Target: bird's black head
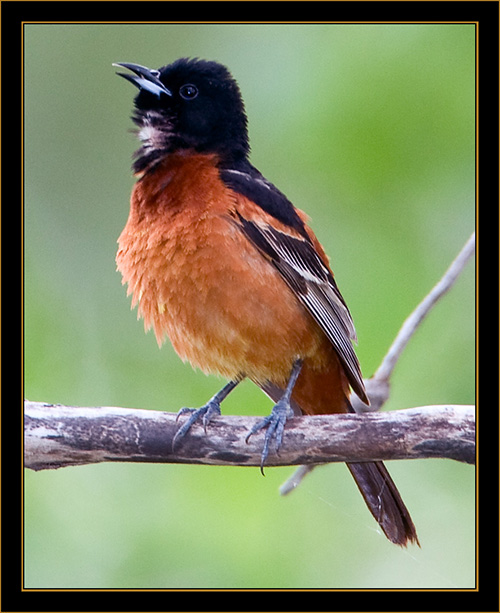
x,y
191,104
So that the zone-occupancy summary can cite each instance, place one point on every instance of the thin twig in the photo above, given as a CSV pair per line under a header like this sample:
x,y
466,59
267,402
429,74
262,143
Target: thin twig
x,y
412,322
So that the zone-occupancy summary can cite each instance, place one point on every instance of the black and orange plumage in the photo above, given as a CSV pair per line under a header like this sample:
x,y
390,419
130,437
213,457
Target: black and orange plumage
x,y
219,261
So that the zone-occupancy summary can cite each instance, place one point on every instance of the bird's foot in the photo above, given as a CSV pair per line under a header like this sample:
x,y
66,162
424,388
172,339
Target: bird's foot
x,y
275,424
205,413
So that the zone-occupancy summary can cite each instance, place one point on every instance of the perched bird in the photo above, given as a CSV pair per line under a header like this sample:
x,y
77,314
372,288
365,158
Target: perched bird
x,y
221,262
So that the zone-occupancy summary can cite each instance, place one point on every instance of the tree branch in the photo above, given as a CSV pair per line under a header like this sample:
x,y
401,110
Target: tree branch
x,y
57,436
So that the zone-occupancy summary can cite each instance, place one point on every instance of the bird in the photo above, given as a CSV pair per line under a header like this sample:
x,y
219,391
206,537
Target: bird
x,y
217,259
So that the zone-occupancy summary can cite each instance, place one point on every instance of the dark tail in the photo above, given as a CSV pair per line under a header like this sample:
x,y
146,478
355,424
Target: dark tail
x,y
384,501
372,478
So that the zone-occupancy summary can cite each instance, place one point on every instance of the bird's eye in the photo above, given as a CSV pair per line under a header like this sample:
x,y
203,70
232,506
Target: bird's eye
x,y
188,91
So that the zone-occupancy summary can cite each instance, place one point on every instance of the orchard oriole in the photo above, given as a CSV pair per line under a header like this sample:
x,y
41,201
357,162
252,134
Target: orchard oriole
x,y
221,262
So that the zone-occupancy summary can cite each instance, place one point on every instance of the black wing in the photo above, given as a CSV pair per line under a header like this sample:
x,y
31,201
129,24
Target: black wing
x,y
249,182
314,285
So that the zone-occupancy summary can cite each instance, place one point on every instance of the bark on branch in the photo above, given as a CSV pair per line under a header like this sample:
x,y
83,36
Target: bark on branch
x,y
57,436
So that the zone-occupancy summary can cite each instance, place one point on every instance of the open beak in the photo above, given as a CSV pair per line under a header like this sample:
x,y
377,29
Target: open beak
x,y
144,78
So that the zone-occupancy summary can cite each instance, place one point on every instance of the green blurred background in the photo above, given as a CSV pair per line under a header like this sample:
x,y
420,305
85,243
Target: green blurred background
x,y
371,130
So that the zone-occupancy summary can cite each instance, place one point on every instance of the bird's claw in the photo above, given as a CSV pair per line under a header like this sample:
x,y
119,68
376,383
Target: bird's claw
x,y
206,413
275,424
